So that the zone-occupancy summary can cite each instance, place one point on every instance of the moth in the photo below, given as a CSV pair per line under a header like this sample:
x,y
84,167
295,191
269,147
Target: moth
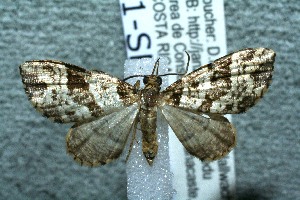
x,y
104,109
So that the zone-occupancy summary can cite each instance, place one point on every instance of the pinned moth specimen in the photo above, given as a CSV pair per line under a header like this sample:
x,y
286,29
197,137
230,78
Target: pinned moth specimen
x,y
105,109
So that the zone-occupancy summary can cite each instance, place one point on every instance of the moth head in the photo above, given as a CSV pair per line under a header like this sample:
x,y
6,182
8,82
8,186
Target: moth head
x,y
152,80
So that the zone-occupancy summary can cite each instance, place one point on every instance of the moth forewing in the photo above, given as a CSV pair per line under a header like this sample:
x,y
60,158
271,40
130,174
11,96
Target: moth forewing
x,y
67,93
229,85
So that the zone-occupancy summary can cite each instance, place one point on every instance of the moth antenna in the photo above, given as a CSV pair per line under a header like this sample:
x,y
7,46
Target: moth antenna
x,y
155,69
156,65
133,76
188,62
186,68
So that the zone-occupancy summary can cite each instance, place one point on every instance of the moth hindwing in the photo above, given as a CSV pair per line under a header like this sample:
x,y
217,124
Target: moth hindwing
x,y
104,109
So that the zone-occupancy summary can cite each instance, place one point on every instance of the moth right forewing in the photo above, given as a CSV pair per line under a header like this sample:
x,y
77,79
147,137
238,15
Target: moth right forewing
x,y
231,84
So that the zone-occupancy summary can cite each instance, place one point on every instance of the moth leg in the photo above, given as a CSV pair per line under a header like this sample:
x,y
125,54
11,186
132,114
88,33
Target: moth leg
x,y
136,127
132,140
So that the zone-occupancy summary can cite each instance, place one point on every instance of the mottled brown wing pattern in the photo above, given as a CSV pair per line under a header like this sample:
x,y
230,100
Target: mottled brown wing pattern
x,y
66,93
231,84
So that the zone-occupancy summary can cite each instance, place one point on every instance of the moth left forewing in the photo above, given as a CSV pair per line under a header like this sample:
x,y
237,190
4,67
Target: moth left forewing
x,y
67,93
231,84
102,140
206,138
